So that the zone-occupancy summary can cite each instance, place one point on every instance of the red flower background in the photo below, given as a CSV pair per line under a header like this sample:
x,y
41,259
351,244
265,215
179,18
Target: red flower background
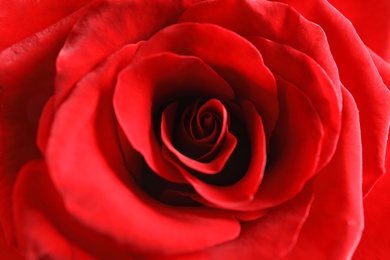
x,y
194,129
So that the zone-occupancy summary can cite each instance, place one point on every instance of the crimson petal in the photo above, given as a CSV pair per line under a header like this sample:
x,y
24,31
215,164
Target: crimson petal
x,y
335,223
247,75
85,162
229,197
93,37
303,72
294,149
226,142
145,86
26,82
360,76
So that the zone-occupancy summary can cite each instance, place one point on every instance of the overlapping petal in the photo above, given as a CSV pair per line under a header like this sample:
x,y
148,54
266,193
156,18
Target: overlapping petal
x,y
90,190
360,76
337,210
146,86
93,38
26,82
248,76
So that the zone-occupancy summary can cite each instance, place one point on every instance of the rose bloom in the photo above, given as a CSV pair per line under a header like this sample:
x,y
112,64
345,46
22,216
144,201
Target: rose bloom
x,y
192,129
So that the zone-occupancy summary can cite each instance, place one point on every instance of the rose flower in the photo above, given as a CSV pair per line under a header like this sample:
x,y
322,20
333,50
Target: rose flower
x,y
165,129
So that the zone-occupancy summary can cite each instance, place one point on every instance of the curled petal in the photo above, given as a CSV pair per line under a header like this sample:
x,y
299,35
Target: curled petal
x,y
146,86
247,75
85,162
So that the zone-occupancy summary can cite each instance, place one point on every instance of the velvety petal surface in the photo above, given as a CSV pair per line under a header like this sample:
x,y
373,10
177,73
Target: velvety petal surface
x,y
248,76
376,238
294,149
93,38
241,192
86,165
44,227
360,76
258,238
26,82
371,21
306,74
337,210
277,22
146,86
21,19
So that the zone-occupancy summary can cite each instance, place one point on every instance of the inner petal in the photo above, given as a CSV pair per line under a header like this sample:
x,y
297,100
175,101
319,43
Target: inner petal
x,y
198,137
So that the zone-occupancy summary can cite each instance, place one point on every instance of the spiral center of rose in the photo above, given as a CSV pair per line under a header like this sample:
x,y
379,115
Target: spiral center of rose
x,y
195,130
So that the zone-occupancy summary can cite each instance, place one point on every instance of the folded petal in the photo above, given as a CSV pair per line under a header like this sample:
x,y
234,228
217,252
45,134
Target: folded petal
x,y
247,75
26,81
371,21
87,167
360,76
93,38
147,86
270,237
335,223
32,17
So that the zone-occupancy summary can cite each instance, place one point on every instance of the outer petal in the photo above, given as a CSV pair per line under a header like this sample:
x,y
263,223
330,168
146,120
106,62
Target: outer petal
x,y
335,223
376,235
360,76
202,40
146,86
6,251
371,21
21,19
26,81
302,71
45,229
86,165
93,38
294,149
269,237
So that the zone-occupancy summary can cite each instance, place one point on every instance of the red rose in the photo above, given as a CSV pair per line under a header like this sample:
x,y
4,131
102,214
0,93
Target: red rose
x,y
194,129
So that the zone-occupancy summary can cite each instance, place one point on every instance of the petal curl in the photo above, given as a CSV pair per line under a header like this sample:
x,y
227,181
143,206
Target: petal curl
x,y
335,222
236,61
360,76
258,238
371,21
93,37
146,86
303,72
85,163
26,81
231,196
294,150
21,19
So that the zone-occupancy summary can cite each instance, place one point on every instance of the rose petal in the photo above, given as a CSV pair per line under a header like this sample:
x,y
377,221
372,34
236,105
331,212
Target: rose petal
x,y
86,165
371,21
383,68
26,82
270,237
6,251
32,17
247,75
294,149
146,86
226,141
376,233
273,21
360,76
45,228
93,38
229,197
335,223
303,72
